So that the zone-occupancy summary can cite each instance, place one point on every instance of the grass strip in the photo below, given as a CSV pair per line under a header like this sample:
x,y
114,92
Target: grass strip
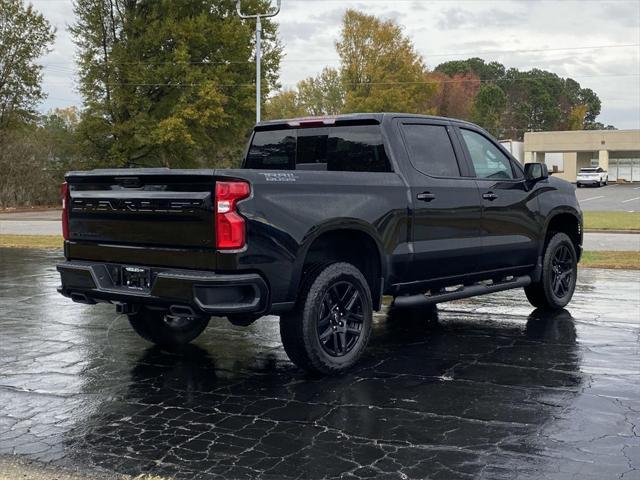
x,y
31,241
622,221
615,260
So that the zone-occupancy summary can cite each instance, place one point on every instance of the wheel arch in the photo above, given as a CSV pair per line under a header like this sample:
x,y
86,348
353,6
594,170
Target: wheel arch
x,y
568,221
350,240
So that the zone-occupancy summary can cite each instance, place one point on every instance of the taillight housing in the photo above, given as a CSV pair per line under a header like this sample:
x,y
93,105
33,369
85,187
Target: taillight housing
x,y
230,226
64,194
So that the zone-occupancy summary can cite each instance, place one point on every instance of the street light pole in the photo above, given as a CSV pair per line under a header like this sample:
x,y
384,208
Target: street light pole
x,y
258,18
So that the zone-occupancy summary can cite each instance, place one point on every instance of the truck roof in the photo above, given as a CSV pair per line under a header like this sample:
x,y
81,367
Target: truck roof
x,y
353,117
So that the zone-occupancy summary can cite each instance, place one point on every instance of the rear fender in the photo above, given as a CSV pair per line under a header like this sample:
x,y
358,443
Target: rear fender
x,y
334,225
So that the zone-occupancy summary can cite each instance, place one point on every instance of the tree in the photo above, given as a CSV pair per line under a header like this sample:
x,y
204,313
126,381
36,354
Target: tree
x,y
59,133
590,100
284,104
25,35
575,120
455,95
322,95
533,100
380,69
169,83
488,108
492,71
315,96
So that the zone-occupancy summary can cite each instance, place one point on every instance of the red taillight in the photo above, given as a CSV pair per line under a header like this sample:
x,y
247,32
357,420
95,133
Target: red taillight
x,y
230,227
64,193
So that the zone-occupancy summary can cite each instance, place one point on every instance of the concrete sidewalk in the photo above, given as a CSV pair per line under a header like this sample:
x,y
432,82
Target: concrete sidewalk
x,y
619,242
30,227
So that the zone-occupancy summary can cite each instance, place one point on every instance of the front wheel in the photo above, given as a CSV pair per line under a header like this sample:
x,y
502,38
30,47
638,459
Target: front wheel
x,y
330,326
559,275
164,329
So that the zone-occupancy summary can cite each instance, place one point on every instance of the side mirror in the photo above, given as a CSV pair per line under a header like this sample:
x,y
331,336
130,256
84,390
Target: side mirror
x,y
536,171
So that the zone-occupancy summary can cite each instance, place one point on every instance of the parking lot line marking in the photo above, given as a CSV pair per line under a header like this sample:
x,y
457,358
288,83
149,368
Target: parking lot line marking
x,y
631,200
592,198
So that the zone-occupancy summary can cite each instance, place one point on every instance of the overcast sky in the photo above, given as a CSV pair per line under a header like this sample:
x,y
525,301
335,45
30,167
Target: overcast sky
x,y
578,38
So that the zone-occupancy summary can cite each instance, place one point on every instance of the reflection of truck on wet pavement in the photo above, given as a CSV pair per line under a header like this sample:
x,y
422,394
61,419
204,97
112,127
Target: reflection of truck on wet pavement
x,y
326,216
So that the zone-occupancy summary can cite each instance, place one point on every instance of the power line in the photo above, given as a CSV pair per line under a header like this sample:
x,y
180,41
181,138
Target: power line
x,y
307,60
427,82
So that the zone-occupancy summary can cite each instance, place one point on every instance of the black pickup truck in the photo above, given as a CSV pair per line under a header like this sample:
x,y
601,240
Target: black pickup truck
x,y
325,217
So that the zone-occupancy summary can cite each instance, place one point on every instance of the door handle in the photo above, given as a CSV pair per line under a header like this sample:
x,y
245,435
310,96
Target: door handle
x,y
426,196
490,196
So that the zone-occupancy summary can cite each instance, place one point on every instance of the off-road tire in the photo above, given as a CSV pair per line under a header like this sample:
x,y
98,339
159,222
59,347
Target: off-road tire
x,y
155,326
545,294
299,328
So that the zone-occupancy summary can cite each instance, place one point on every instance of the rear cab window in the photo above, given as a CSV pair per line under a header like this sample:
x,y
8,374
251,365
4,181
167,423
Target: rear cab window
x,y
341,148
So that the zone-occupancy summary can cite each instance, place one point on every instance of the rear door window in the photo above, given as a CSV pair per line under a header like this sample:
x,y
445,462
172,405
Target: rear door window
x,y
431,150
352,148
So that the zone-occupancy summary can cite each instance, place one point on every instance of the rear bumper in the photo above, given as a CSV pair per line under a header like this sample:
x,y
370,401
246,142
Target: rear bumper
x,y
204,292
591,181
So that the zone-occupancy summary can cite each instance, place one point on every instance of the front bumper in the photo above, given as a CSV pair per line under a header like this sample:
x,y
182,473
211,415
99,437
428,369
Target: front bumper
x,y
203,292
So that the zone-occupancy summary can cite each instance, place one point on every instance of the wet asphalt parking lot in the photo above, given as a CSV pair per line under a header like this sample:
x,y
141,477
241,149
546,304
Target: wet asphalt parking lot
x,y
615,197
485,388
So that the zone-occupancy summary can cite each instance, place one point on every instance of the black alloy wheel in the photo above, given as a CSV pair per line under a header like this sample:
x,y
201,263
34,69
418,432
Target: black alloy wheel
x,y
557,282
562,271
340,319
329,328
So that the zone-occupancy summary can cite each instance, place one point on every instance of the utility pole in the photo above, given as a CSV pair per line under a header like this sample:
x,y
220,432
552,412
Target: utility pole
x,y
258,18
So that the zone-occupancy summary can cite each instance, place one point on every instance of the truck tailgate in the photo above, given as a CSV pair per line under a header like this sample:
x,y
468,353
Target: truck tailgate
x,y
151,207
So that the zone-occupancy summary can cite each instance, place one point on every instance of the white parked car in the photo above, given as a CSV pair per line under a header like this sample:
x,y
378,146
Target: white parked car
x,y
592,176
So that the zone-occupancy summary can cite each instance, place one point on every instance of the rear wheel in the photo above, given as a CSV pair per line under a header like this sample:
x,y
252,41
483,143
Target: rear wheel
x,y
162,328
330,326
559,275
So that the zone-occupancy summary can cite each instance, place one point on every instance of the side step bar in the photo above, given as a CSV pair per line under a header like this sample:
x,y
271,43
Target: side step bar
x,y
462,292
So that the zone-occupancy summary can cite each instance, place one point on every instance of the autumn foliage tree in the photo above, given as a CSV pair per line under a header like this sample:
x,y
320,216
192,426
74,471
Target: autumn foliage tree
x,y
322,95
455,94
380,70
511,102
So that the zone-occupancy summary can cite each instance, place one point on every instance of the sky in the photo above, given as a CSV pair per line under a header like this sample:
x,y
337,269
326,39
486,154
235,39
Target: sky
x,y
595,42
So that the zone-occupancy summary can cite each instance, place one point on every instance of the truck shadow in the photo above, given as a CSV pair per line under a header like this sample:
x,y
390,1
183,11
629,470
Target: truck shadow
x,y
436,393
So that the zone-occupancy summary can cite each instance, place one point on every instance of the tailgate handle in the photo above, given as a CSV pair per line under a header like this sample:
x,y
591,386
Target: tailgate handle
x,y
129,182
